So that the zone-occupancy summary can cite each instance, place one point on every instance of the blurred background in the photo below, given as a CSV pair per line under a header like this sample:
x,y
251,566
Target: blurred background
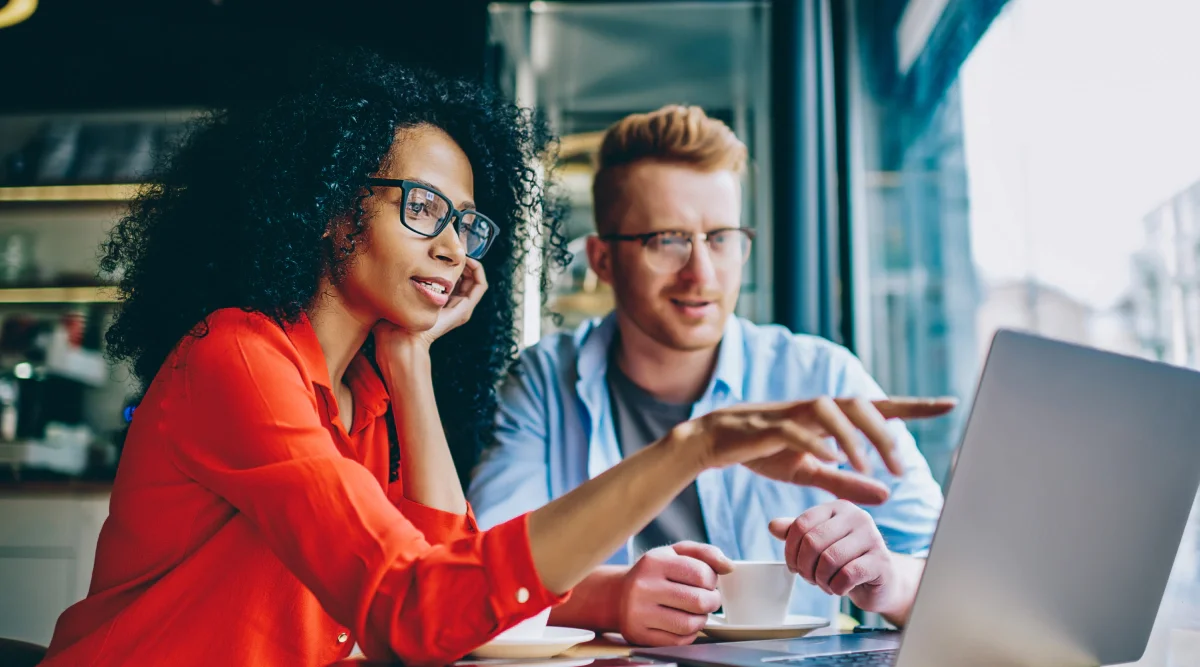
x,y
923,172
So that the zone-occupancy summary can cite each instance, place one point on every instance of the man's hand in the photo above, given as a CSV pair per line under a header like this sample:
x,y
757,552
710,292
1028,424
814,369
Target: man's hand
x,y
787,441
667,595
837,547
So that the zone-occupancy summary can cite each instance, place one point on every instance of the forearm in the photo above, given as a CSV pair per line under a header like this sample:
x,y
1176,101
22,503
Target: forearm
x,y
908,577
426,467
594,603
575,533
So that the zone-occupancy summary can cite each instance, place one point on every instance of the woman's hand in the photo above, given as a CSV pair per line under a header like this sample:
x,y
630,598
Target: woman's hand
x,y
426,467
463,299
392,341
786,441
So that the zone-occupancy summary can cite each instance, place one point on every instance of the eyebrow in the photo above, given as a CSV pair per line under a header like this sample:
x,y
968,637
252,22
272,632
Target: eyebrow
x,y
465,204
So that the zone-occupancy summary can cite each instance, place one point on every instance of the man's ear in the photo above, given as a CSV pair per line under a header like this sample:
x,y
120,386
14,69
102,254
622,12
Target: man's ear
x,y
600,258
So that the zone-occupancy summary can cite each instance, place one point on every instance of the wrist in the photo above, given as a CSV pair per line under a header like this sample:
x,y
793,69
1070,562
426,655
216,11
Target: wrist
x,y
613,609
685,447
899,587
597,602
404,358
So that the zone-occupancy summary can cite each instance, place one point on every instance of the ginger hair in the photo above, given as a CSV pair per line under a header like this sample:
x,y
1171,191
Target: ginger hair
x,y
674,134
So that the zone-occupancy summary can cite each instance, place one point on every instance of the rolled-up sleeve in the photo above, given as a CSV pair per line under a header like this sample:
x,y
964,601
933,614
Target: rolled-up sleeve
x,y
438,526
412,582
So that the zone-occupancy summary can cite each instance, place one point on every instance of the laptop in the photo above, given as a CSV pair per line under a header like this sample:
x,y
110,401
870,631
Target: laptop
x,y
1076,474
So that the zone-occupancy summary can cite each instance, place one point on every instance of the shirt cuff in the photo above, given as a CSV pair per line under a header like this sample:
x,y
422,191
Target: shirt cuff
x,y
517,589
438,526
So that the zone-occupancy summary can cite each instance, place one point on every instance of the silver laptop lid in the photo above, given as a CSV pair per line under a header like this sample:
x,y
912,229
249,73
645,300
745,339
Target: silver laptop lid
x,y
1074,482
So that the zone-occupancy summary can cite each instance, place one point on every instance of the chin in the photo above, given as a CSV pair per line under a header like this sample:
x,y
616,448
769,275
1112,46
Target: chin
x,y
692,338
414,322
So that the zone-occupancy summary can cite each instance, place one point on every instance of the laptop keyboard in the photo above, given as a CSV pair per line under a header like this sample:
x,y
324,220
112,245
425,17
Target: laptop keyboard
x,y
870,659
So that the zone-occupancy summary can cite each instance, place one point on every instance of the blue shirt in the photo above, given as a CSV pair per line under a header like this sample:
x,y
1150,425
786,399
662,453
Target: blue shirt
x,y
554,431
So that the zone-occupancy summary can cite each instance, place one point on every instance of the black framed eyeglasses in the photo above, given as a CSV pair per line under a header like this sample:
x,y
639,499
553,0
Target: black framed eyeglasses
x,y
670,250
426,211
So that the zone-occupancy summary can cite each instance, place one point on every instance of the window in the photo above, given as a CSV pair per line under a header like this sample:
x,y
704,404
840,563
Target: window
x,y
1050,181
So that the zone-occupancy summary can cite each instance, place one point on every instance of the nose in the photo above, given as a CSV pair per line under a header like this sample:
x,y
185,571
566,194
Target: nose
x,y
700,267
448,247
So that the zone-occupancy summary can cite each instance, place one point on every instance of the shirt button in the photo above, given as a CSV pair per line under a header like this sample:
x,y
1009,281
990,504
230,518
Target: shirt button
x,y
342,638
522,595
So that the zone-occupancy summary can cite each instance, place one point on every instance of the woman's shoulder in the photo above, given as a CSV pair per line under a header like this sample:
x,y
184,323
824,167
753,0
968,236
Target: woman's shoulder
x,y
237,355
232,334
239,322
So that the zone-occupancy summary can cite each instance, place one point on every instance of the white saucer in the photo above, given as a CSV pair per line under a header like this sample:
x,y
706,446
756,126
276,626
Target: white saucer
x,y
794,626
553,641
524,662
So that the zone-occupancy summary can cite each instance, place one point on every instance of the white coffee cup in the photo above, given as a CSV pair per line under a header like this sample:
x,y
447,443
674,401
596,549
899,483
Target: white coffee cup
x,y
530,628
756,592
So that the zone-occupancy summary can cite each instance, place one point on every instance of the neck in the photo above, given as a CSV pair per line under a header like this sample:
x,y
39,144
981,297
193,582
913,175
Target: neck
x,y
669,374
339,331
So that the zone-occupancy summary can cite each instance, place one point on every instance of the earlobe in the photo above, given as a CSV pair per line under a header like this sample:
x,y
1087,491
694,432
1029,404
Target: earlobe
x,y
334,225
339,233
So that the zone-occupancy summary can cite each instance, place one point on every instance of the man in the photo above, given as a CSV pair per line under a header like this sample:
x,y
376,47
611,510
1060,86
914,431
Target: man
x,y
669,241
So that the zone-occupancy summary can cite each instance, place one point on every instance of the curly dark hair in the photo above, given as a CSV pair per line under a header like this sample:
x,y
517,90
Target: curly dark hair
x,y
235,218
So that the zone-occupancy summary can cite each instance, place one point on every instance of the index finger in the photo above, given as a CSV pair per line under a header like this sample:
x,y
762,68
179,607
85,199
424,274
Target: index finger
x,y
833,420
872,424
908,407
851,486
477,272
693,572
705,553
472,284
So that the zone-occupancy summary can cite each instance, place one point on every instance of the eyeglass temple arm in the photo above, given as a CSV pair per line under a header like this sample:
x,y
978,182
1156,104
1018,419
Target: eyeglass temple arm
x,y
644,238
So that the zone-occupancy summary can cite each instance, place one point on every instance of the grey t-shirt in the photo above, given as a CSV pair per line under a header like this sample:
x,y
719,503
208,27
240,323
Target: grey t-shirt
x,y
640,419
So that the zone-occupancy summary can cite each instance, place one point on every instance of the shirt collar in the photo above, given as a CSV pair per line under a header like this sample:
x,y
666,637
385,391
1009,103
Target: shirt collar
x,y
304,337
731,359
594,339
370,394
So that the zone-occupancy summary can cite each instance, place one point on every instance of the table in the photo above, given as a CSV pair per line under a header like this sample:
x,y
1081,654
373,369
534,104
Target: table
x,y
597,648
600,647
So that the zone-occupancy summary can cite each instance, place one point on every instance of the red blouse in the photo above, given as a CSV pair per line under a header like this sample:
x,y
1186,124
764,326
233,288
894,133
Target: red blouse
x,y
247,526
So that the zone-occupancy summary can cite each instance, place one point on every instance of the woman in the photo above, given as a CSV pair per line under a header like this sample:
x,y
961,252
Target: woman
x,y
286,489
